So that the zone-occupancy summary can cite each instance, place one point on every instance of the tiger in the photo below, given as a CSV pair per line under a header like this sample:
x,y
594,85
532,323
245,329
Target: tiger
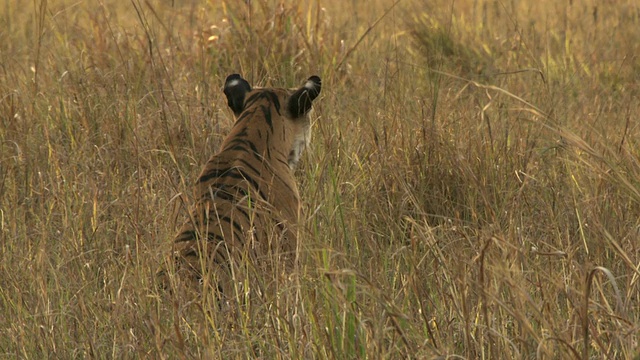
x,y
246,197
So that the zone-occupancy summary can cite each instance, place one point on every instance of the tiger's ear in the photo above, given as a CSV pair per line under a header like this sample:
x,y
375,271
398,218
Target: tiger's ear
x,y
300,102
235,88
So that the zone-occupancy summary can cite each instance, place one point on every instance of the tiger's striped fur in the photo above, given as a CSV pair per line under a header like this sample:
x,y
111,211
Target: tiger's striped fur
x,y
247,200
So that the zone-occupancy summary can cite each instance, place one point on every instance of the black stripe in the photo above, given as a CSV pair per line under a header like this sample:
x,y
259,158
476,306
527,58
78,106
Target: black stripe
x,y
244,213
245,114
264,94
235,224
212,237
190,235
214,173
219,251
191,252
222,254
245,163
236,141
229,192
267,116
233,173
256,186
242,133
185,236
222,195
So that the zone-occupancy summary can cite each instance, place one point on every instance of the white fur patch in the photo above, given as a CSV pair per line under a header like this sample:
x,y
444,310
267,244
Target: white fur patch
x,y
233,82
300,142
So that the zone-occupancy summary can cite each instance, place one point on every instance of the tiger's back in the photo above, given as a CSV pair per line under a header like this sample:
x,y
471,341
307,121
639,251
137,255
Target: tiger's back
x,y
247,201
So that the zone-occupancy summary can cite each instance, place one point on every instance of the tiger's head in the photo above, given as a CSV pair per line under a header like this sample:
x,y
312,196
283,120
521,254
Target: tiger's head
x,y
282,113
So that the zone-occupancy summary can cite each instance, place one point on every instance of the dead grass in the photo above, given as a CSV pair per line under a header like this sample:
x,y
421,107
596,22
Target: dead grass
x,y
472,190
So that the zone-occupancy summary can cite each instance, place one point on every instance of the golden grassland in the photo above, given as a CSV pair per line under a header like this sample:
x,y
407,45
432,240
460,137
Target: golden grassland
x,y
473,188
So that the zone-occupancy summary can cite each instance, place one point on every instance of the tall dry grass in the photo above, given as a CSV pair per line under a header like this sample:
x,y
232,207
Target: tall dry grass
x,y
472,190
